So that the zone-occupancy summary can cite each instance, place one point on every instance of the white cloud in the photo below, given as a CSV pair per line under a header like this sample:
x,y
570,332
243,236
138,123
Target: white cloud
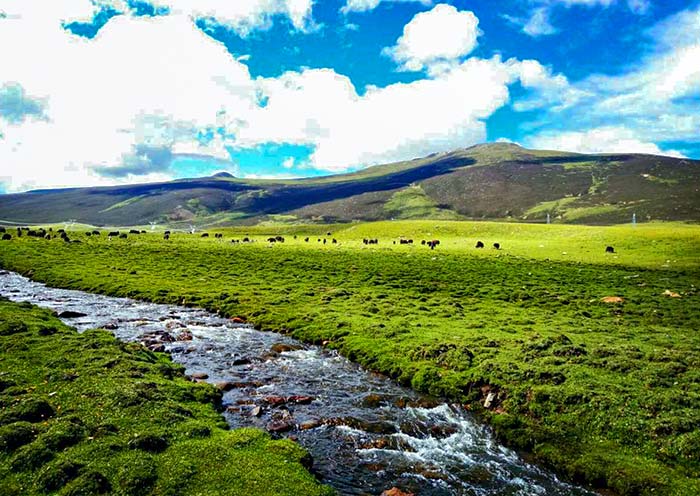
x,y
537,22
441,35
147,81
243,16
401,121
547,89
367,5
600,140
656,101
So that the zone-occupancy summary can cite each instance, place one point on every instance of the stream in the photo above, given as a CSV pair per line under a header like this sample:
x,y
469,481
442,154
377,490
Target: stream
x,y
365,433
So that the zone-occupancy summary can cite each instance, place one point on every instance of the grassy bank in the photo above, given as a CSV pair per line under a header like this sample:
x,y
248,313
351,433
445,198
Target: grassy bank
x,y
607,393
86,414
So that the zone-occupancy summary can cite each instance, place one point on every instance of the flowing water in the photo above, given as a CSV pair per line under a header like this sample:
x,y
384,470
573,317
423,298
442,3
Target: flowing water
x,y
365,433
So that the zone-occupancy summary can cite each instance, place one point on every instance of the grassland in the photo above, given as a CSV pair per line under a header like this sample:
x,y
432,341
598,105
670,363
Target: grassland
x,y
606,393
87,414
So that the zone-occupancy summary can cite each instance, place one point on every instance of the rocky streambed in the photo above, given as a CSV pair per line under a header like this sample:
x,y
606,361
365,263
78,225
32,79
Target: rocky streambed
x,y
365,433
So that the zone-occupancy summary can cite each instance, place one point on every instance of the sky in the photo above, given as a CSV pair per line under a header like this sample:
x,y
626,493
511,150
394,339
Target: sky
x,y
103,92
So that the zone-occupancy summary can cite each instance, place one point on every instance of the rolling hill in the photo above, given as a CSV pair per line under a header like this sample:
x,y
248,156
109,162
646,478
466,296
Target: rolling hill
x,y
491,181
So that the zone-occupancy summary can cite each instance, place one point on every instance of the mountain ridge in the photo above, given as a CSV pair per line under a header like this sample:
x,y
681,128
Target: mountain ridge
x,y
485,181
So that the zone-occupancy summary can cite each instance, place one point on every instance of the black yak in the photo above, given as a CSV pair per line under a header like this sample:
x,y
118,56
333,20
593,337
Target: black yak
x,y
479,244
609,249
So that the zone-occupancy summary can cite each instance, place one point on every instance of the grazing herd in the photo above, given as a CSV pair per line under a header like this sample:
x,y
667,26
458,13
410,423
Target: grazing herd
x,y
49,234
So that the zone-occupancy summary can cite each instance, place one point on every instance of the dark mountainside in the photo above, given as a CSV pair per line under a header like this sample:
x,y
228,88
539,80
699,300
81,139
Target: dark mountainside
x,y
493,181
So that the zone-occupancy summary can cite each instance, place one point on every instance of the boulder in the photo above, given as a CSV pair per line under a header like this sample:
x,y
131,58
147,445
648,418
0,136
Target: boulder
x,y
70,314
395,491
282,347
278,426
199,375
309,424
275,400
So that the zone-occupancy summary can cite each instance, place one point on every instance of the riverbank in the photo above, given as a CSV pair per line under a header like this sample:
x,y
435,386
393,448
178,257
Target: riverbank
x,y
88,414
604,391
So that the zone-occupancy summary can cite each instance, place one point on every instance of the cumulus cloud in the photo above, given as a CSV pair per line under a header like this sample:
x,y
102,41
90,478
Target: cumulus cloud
x,y
600,140
140,81
367,5
243,16
396,122
441,35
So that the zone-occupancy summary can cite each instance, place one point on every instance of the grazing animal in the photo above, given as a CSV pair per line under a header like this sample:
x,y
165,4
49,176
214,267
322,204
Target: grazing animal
x,y
279,239
122,236
6,236
370,241
134,231
335,241
497,246
324,241
218,235
329,233
167,232
246,240
306,240
61,231
433,243
114,234
66,239
19,232
204,235
609,249
2,230
479,244
143,231
422,241
88,234
271,240
166,236
95,232
48,236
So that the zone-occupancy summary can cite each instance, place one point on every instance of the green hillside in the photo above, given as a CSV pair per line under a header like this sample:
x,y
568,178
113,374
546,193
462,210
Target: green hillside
x,y
494,181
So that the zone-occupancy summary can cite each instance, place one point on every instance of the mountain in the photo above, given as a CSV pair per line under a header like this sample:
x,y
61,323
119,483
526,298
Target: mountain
x,y
490,181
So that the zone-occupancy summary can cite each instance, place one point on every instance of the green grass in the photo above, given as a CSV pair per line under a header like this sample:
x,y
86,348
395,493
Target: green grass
x,y
124,203
87,414
605,393
413,203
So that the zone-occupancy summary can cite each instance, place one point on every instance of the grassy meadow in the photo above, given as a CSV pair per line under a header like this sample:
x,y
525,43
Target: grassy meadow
x,y
607,393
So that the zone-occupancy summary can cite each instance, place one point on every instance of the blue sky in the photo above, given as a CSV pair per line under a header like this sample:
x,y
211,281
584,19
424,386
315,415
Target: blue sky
x,y
100,92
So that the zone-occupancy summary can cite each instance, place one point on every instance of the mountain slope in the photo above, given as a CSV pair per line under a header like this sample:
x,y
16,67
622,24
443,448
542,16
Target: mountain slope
x,y
485,181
